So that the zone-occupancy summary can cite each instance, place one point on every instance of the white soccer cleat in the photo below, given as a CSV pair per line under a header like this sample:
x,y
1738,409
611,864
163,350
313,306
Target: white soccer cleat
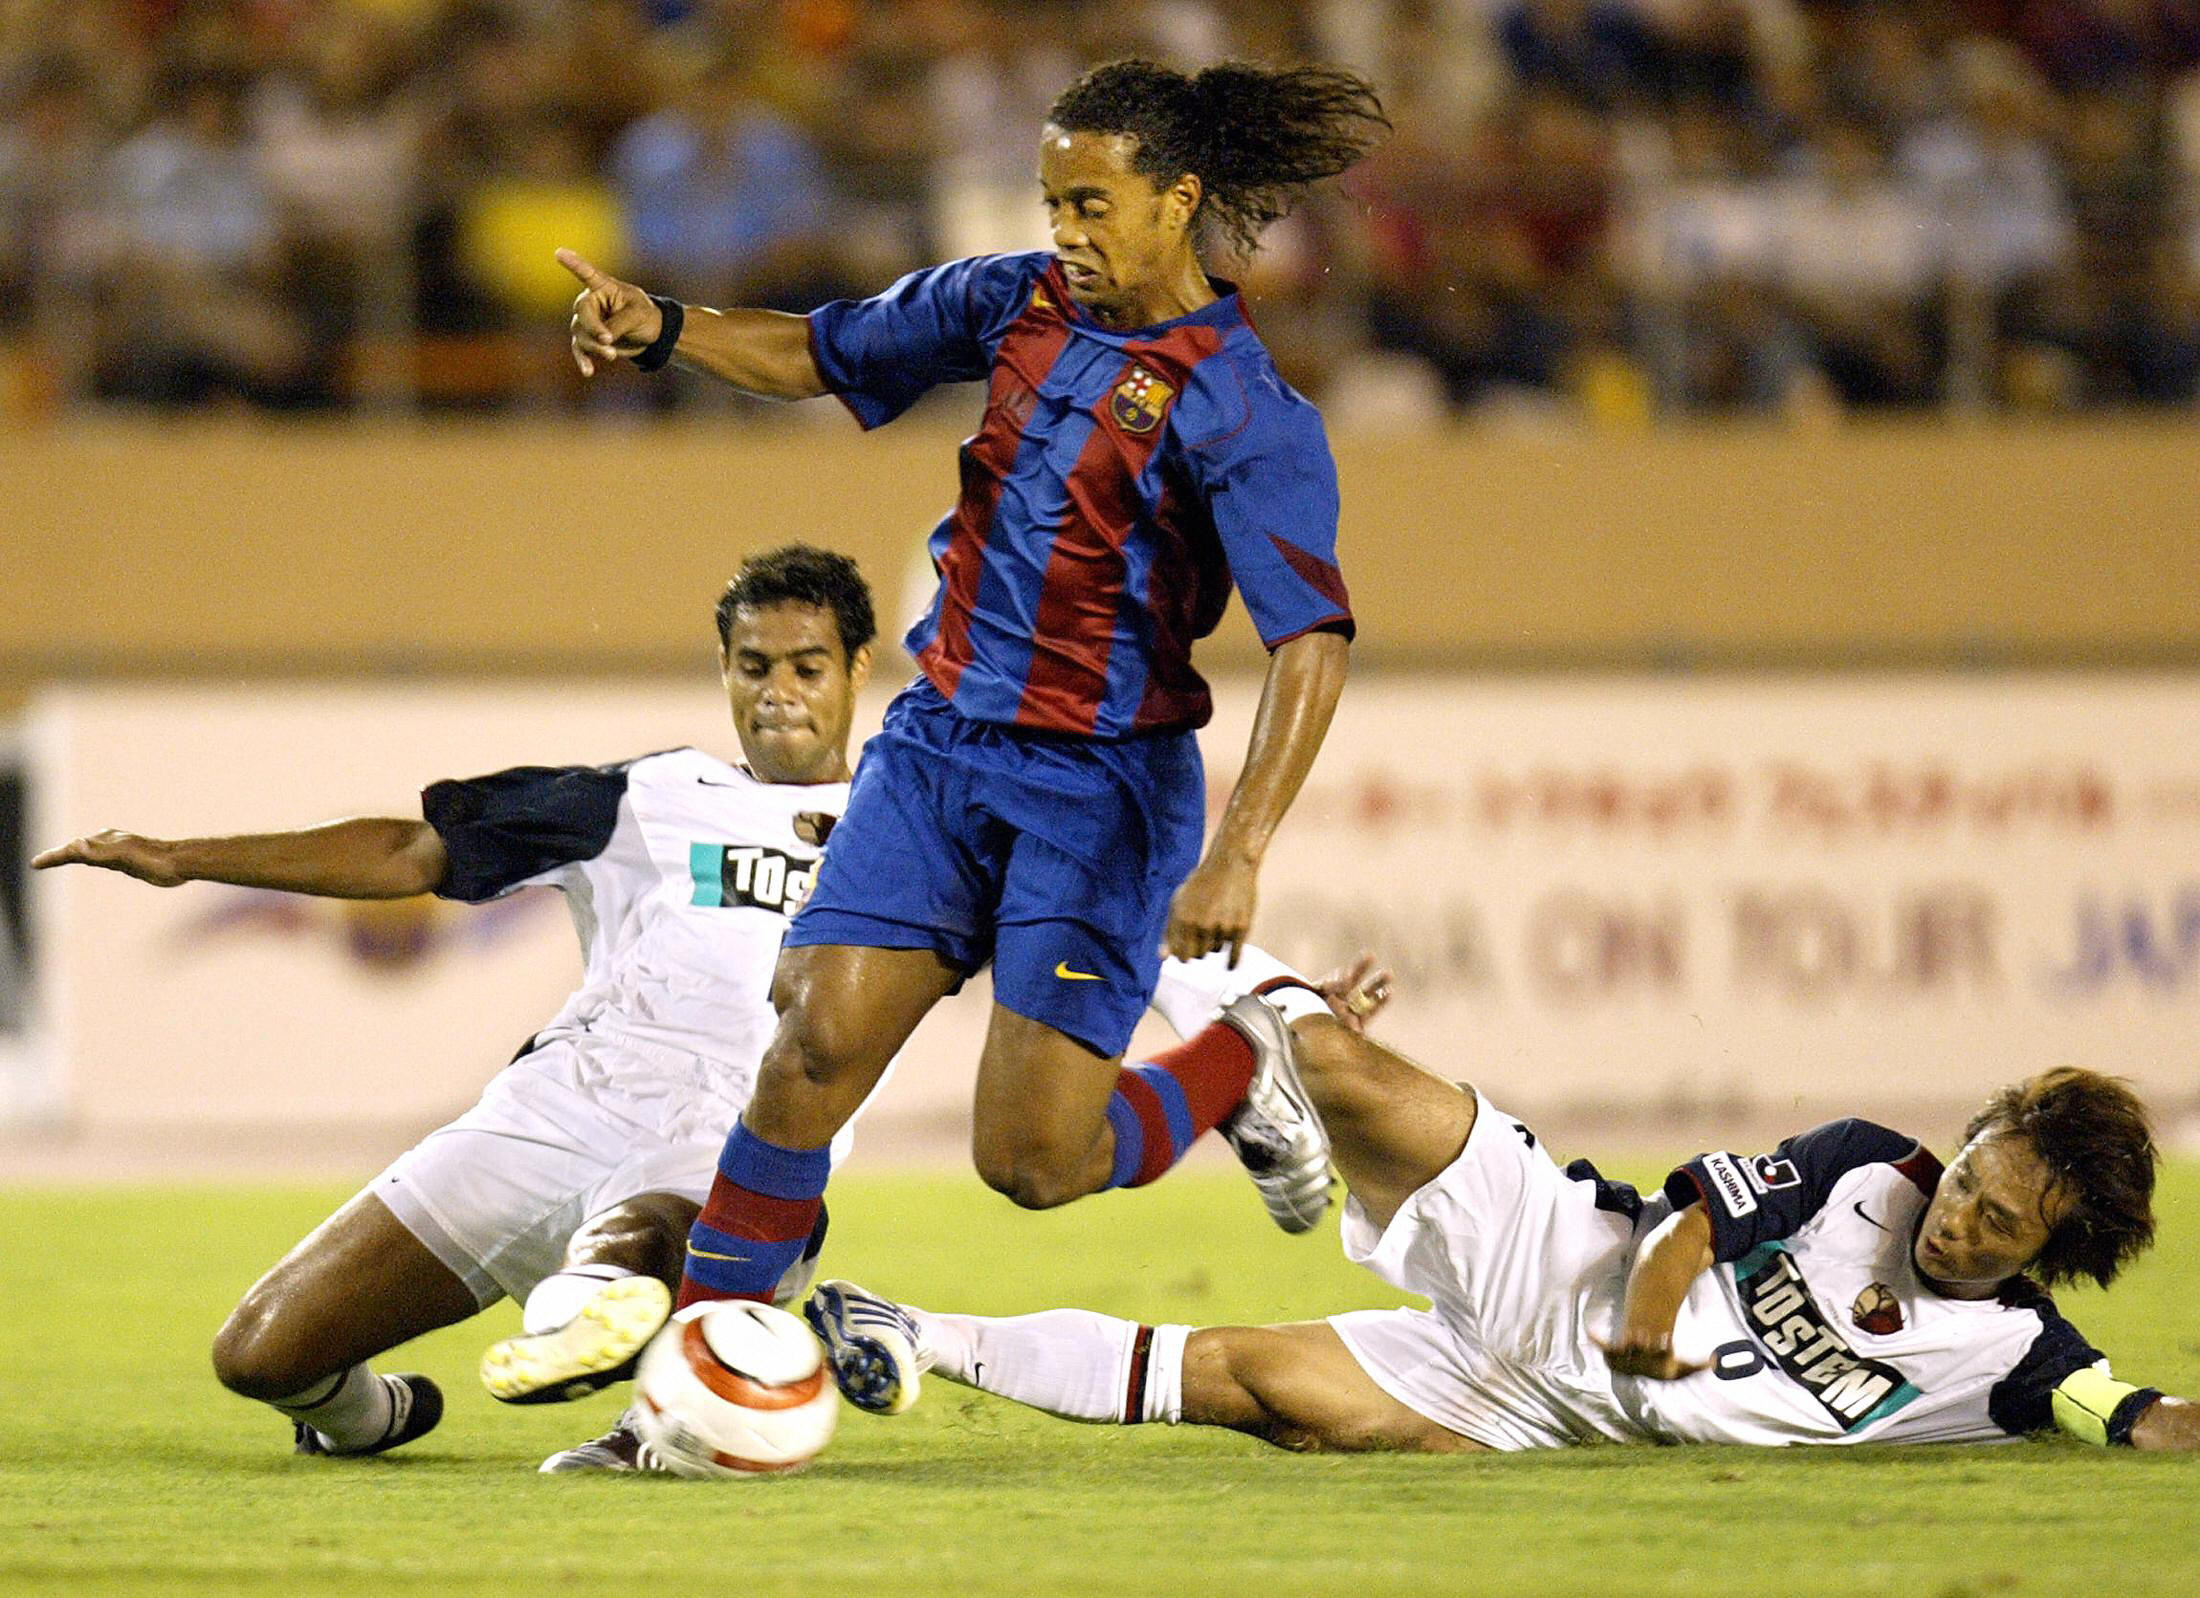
x,y
1275,1133
877,1355
619,1449
597,1347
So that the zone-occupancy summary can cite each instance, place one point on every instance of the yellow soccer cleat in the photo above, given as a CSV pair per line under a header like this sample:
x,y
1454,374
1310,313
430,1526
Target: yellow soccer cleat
x,y
597,1347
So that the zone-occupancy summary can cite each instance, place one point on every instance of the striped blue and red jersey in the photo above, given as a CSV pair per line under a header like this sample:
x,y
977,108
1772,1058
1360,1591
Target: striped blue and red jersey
x,y
1119,484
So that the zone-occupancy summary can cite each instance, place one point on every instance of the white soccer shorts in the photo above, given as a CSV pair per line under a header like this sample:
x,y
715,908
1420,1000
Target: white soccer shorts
x,y
571,1128
1521,1268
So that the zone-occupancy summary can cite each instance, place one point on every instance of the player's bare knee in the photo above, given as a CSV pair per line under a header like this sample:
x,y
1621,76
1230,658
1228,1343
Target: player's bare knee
x,y
819,1052
1031,1173
1320,1037
1341,1073
256,1356
996,1171
1038,1166
1323,1047
1030,1184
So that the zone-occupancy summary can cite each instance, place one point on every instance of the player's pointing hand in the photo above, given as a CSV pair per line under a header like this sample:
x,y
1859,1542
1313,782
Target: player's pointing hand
x,y
147,859
610,318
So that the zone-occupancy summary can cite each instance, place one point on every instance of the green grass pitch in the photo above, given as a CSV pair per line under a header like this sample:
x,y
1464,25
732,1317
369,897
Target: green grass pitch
x,y
124,1469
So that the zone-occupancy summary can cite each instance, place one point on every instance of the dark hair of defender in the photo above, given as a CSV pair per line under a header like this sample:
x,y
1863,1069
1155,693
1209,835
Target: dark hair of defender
x,y
802,574
2092,1132
1251,135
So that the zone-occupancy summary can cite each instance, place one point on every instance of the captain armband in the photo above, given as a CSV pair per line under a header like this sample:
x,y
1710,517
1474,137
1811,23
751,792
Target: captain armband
x,y
2094,1407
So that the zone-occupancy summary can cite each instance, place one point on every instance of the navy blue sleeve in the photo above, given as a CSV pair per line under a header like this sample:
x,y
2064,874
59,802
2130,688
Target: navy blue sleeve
x,y
2023,1401
1756,1198
510,826
883,354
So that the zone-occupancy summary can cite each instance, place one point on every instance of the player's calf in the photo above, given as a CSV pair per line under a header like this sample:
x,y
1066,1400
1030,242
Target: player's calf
x,y
1393,1127
1300,1388
1233,1075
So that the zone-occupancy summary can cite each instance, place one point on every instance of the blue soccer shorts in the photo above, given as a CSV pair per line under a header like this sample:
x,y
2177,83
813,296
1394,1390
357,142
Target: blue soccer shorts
x,y
1053,857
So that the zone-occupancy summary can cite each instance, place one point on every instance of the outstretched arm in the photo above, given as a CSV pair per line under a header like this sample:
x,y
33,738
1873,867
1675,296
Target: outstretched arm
x,y
364,858
1214,907
766,353
1671,1259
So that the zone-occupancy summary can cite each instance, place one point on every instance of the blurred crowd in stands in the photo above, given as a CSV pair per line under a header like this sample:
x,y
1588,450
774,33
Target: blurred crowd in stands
x,y
1606,209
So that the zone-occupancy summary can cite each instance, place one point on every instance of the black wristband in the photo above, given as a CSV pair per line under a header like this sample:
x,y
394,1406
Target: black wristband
x,y
660,348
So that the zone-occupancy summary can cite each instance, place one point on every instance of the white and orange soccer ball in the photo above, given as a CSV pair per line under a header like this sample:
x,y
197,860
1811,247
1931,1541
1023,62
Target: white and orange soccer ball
x,y
734,1390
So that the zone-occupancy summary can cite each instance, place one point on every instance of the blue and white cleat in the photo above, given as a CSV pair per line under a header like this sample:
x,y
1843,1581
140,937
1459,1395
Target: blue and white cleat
x,y
876,1352
1275,1133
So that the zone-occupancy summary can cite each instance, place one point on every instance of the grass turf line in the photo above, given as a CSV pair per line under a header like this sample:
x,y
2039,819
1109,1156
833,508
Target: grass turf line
x,y
124,1469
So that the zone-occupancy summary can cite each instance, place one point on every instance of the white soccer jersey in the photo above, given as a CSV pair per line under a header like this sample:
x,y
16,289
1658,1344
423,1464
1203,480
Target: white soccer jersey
x,y
1818,1325
680,870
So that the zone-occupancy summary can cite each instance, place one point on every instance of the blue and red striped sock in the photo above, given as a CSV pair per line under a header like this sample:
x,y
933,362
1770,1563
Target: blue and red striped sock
x,y
763,1205
1160,1108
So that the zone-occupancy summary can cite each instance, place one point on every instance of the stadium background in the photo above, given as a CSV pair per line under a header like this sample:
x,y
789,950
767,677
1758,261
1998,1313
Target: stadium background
x,y
1768,447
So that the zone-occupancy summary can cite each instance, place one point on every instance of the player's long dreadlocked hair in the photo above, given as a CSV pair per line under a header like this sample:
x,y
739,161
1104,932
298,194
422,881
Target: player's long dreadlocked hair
x,y
1252,135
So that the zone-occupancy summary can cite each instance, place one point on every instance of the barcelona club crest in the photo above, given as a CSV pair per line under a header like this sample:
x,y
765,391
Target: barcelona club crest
x,y
1876,1311
1140,401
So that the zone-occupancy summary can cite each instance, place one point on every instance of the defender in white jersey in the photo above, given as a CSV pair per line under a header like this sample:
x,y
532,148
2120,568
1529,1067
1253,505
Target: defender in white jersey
x,y
587,1157
1843,1288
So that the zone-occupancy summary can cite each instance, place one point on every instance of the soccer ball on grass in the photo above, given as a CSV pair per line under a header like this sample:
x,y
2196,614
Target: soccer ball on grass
x,y
735,1389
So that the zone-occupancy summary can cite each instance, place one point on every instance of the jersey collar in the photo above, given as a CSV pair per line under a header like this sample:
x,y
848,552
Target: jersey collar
x,y
1227,309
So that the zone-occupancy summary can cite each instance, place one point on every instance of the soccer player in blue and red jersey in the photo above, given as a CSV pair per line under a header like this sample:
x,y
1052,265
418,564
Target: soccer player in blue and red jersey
x,y
1035,798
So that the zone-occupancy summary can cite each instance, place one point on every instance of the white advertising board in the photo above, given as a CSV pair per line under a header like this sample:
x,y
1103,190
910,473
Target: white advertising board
x,y
1653,903
1779,896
